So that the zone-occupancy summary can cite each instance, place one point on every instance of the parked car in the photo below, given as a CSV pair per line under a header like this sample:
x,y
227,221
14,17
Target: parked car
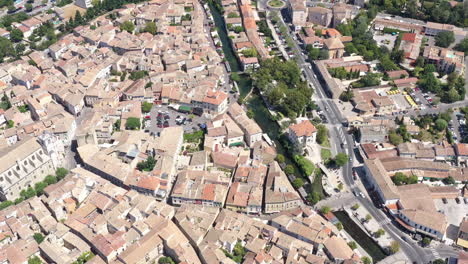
x,y
444,200
457,200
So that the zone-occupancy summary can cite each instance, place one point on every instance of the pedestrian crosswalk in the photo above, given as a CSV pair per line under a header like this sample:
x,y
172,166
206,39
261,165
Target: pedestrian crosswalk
x,y
434,252
384,221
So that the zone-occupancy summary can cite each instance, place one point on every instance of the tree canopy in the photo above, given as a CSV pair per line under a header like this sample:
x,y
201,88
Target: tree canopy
x,y
151,28
127,26
444,38
281,83
133,123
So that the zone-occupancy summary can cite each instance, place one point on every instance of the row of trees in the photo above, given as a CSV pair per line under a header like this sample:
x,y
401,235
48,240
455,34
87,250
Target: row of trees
x,y
342,74
38,189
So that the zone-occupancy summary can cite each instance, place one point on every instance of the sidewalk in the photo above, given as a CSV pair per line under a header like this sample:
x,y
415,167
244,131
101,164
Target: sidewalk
x,y
398,258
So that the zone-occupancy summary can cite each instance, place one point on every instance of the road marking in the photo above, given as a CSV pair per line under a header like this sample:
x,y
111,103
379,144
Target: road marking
x,y
434,252
385,221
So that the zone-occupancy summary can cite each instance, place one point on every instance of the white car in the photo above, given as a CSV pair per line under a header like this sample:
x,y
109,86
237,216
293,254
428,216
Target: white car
x,y
362,195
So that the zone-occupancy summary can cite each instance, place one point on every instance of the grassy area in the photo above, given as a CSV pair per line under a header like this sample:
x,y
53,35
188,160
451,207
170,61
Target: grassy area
x,y
326,154
317,185
275,3
367,243
326,143
194,137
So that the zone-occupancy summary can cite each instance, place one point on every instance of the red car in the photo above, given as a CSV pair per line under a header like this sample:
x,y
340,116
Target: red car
x,y
147,117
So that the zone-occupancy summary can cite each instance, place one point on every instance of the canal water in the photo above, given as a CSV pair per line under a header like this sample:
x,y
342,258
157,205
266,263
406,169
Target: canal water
x,y
245,84
367,243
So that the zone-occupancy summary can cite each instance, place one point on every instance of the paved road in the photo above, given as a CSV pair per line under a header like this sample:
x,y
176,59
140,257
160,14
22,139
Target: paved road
x,y
343,142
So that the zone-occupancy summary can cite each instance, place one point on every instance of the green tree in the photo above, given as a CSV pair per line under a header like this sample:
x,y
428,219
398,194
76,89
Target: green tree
x,y
10,123
79,20
166,260
394,247
151,28
146,107
366,260
322,134
339,226
39,187
440,124
312,52
438,261
325,209
298,183
324,55
394,138
426,241
449,180
6,48
399,178
16,35
49,179
38,237
352,245
251,52
146,165
355,207
462,46
313,197
289,169
341,159
133,123
368,217
412,179
280,158
5,204
34,260
380,232
235,76
340,186
117,124
60,173
28,193
28,7
19,49
127,26
444,38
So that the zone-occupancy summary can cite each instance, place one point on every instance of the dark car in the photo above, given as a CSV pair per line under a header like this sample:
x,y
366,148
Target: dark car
x,y
166,117
457,200
444,200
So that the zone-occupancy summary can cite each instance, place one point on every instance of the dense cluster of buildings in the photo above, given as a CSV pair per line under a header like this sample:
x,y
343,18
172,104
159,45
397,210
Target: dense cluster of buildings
x,y
241,23
412,205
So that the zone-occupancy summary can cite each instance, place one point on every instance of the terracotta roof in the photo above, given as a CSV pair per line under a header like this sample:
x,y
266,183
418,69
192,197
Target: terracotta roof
x,y
410,37
462,149
305,128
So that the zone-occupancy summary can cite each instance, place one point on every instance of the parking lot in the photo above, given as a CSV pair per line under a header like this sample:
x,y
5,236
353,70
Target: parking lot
x,y
163,116
458,126
400,101
454,213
